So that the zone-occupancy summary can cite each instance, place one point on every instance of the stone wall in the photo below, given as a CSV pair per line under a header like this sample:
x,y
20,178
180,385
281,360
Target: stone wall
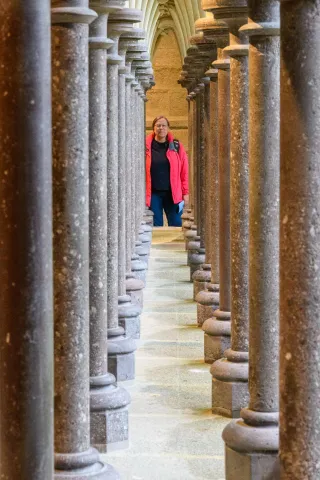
x,y
167,97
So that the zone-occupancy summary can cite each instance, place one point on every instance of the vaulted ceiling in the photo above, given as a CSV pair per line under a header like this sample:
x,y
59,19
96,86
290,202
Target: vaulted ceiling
x,y
159,16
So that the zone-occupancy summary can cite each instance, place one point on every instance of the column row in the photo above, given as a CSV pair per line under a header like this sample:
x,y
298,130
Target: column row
x,y
74,234
251,232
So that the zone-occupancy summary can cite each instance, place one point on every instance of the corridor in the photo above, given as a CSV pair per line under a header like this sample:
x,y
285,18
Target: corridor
x,y
173,434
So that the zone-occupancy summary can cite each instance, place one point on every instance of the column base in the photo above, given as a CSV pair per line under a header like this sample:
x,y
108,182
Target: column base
x,y
142,251
192,248
108,414
196,260
121,358
201,278
230,393
134,288
83,466
138,268
129,316
256,466
217,336
147,231
207,303
190,235
148,217
251,446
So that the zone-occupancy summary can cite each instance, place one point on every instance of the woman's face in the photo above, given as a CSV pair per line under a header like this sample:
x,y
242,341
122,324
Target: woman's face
x,y
161,129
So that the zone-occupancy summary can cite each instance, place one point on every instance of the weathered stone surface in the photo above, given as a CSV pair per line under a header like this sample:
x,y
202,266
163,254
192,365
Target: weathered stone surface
x,y
299,242
257,431
103,392
71,243
26,297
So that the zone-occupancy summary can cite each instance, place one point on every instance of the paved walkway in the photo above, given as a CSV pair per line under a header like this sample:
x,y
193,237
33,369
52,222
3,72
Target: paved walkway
x,y
173,434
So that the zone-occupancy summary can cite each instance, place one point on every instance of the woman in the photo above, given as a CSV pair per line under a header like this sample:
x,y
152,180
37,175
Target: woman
x,y
166,174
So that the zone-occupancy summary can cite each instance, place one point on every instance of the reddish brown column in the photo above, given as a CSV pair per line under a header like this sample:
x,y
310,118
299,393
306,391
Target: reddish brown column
x,y
299,242
230,374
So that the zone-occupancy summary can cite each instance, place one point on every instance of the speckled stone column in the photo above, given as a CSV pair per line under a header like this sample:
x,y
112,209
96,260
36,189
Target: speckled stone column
x,y
230,374
128,313
208,299
135,269
108,412
207,52
74,458
252,441
120,346
217,329
26,298
201,271
299,242
136,278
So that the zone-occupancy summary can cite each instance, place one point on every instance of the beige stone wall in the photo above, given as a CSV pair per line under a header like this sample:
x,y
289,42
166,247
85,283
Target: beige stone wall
x,y
168,98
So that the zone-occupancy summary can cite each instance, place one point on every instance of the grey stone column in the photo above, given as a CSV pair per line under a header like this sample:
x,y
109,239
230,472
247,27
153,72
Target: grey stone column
x,y
128,313
217,328
252,441
120,346
135,280
230,374
108,412
299,242
26,297
135,269
74,458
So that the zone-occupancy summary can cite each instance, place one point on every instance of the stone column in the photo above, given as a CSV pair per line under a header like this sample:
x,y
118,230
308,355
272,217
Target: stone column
x,y
128,313
135,280
120,347
135,269
208,299
252,441
217,328
109,415
230,374
74,458
26,298
206,53
299,242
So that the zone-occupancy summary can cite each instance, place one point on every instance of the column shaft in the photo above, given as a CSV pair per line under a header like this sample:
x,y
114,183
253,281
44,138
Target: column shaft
x,y
26,298
299,242
253,440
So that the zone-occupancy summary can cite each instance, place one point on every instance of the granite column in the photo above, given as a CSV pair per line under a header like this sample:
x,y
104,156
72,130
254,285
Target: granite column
x,y
108,402
120,346
74,458
230,374
299,242
217,328
26,297
252,441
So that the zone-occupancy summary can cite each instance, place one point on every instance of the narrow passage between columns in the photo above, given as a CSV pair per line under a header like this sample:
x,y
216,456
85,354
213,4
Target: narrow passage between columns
x,y
173,434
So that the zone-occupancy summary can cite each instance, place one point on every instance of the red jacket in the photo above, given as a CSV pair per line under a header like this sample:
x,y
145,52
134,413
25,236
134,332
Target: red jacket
x,y
178,170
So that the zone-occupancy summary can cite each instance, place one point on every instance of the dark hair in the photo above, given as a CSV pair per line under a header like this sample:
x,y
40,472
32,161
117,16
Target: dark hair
x,y
158,118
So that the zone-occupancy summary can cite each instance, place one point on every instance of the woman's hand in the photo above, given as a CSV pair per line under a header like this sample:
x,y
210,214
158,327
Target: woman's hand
x,y
186,200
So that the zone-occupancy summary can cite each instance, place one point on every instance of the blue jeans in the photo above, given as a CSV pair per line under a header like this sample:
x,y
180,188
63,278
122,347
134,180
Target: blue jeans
x,y
163,201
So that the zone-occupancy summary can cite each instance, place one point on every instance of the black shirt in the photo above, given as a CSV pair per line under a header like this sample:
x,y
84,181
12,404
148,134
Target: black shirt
x,y
160,166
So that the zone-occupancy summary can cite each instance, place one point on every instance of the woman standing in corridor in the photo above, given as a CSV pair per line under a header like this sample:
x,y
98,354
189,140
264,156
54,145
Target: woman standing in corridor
x,y
166,174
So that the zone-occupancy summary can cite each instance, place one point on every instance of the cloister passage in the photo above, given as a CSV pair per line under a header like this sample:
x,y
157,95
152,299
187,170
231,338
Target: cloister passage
x,y
173,433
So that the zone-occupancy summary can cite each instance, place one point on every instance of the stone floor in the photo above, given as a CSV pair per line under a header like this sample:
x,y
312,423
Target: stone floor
x,y
173,434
